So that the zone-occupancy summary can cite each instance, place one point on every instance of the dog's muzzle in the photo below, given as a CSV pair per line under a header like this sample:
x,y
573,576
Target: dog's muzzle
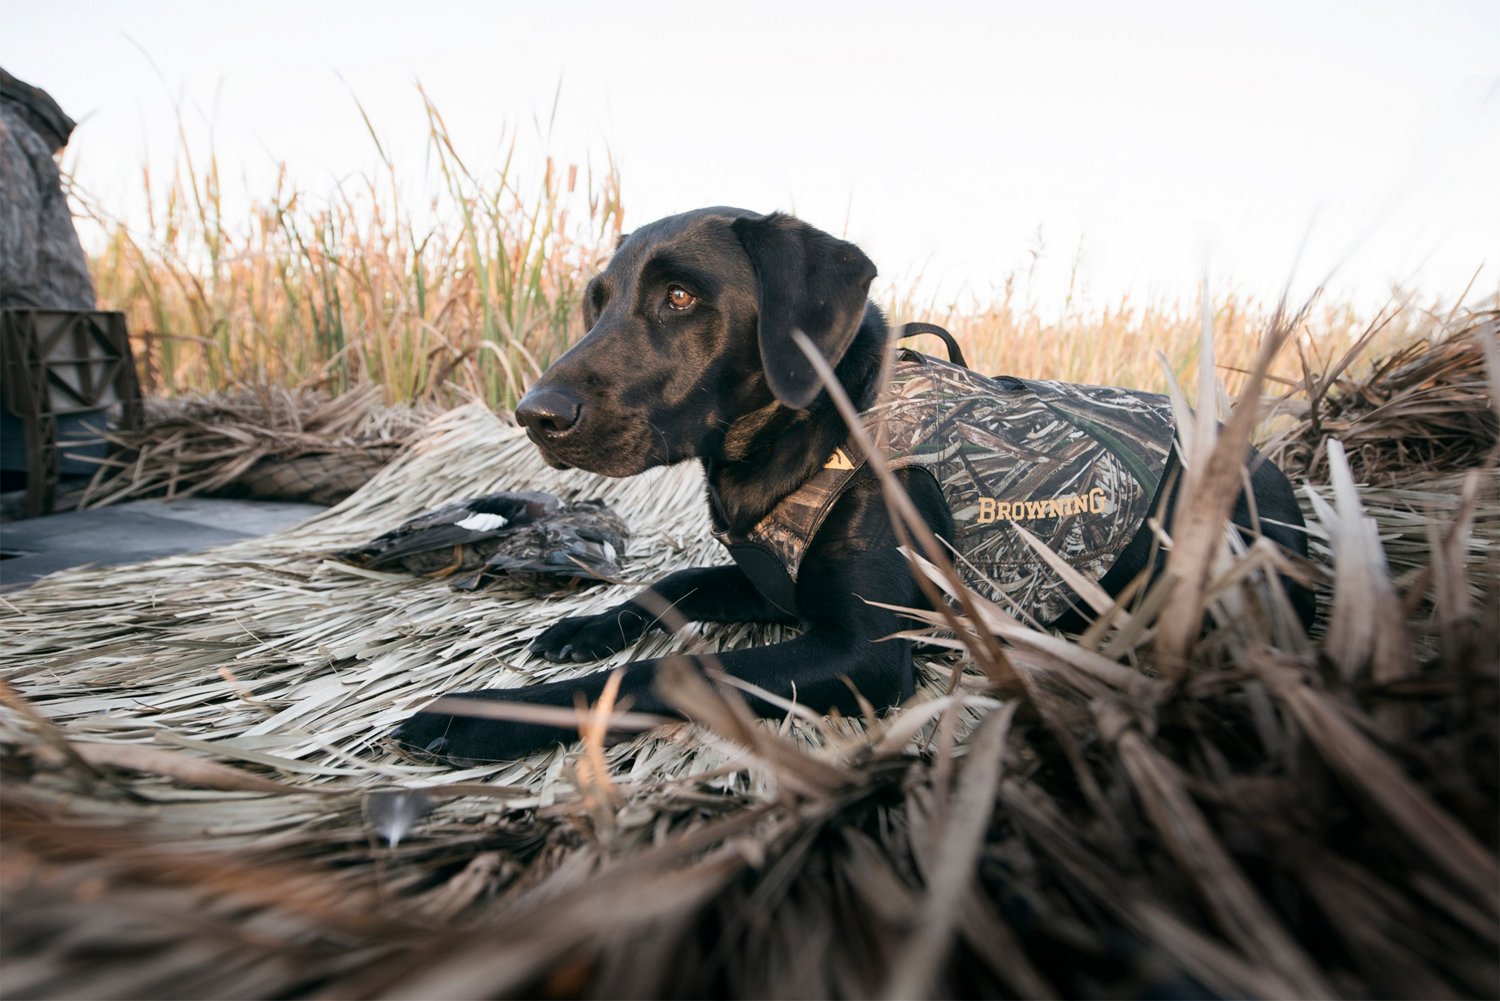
x,y
549,414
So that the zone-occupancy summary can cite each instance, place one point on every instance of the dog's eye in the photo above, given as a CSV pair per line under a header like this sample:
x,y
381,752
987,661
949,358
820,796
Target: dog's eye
x,y
679,297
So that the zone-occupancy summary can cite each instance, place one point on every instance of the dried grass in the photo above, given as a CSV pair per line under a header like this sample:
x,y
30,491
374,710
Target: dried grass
x,y
1418,413
195,803
378,280
259,441
467,285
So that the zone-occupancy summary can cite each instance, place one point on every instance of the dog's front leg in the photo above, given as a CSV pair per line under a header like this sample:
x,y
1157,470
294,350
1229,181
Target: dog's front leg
x,y
701,594
843,656
822,670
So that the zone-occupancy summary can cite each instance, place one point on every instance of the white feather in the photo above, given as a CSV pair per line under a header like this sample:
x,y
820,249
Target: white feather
x,y
480,522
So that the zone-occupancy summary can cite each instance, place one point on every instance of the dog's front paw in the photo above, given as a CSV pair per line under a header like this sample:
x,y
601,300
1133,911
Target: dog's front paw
x,y
442,737
470,740
590,637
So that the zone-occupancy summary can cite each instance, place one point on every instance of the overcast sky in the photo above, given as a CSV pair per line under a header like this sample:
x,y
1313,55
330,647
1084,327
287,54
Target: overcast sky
x,y
949,139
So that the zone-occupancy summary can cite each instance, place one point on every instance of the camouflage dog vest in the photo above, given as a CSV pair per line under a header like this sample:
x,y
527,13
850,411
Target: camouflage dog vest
x,y
1076,466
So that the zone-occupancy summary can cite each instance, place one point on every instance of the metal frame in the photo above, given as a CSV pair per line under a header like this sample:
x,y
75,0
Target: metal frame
x,y
56,363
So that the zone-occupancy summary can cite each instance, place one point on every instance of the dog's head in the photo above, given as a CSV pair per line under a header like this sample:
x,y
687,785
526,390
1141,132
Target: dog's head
x,y
689,350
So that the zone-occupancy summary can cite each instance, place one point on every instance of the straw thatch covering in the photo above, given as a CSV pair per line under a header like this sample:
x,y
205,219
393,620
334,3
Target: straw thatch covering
x,y
196,802
260,441
1420,412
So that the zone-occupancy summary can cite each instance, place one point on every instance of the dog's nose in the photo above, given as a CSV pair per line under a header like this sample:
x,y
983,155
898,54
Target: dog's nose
x,y
548,412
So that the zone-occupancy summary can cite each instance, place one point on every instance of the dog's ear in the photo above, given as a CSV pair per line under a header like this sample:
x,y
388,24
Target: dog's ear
x,y
809,281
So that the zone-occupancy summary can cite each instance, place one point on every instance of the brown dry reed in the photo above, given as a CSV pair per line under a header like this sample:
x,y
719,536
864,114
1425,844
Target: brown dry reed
x,y
471,289
478,289
263,441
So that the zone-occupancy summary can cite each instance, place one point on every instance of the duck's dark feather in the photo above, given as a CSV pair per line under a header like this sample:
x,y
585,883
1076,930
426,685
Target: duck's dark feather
x,y
527,538
462,524
581,545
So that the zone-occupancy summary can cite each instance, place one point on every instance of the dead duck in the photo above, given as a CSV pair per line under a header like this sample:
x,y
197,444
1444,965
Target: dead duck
x,y
578,546
530,538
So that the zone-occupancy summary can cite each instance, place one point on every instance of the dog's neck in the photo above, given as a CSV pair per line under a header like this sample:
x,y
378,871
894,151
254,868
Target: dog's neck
x,y
787,447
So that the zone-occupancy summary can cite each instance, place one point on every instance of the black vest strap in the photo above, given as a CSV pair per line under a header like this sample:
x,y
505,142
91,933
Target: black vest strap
x,y
955,354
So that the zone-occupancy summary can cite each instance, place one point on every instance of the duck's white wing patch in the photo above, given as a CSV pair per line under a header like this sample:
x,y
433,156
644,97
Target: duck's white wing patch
x,y
481,522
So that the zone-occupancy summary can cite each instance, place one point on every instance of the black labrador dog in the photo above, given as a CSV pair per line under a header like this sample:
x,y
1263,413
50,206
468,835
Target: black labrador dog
x,y
690,354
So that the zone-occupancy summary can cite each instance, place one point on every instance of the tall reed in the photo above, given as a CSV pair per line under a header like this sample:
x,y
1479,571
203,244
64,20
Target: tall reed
x,y
1123,342
471,295
474,291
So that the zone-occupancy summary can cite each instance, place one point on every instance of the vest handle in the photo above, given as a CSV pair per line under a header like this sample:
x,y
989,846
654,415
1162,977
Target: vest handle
x,y
955,354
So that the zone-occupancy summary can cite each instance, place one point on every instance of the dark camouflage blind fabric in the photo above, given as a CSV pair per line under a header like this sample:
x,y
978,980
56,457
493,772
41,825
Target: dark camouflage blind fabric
x,y
1077,466
42,264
